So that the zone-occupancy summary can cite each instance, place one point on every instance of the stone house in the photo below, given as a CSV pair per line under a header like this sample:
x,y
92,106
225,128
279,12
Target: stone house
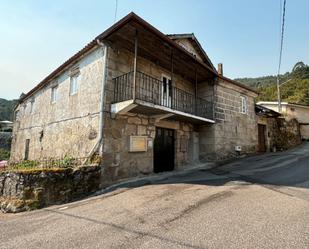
x,y
292,111
145,101
275,132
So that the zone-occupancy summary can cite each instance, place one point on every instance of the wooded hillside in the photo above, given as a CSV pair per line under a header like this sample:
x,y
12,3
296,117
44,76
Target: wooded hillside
x,y
6,109
295,91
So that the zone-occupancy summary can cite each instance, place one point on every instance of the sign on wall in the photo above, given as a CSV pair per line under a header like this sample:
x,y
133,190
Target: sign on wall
x,y
138,143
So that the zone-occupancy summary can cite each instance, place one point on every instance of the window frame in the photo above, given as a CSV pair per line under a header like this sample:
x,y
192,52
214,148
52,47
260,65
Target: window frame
x,y
32,105
74,78
244,104
54,94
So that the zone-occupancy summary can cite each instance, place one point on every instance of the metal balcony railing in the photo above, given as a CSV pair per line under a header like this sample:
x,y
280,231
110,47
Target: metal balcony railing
x,y
154,91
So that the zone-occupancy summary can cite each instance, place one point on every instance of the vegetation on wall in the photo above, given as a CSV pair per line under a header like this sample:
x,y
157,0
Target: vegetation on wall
x,y
294,91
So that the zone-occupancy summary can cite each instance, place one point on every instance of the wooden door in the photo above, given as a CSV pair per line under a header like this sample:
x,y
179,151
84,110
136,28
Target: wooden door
x,y
262,137
164,150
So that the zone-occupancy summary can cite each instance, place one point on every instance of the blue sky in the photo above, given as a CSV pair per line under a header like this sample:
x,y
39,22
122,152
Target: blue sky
x,y
37,36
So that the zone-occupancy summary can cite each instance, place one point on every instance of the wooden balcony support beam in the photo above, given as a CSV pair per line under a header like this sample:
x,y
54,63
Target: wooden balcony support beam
x,y
135,64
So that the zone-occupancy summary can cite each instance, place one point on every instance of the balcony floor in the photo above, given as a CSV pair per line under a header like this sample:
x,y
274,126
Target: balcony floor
x,y
156,111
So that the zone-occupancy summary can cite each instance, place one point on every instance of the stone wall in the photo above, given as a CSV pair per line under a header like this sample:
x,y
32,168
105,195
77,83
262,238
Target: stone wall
x,y
119,163
285,134
26,190
232,128
70,125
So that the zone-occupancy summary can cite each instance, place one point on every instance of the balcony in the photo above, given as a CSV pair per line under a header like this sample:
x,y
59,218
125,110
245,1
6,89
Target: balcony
x,y
151,96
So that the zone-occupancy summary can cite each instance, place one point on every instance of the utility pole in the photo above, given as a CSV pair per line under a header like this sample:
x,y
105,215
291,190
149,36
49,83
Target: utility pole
x,y
280,54
279,94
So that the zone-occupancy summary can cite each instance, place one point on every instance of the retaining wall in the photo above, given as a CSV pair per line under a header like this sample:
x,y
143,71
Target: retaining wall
x,y
31,189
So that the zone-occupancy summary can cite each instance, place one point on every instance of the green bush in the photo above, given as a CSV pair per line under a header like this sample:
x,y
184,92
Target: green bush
x,y
4,154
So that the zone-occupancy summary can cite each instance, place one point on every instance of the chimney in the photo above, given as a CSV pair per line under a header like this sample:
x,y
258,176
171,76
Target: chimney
x,y
220,69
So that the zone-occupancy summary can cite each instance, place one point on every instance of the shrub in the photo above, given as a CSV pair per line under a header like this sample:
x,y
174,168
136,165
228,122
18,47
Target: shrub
x,y
4,154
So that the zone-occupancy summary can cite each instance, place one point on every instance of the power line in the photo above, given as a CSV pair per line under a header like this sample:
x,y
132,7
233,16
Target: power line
x,y
116,9
280,52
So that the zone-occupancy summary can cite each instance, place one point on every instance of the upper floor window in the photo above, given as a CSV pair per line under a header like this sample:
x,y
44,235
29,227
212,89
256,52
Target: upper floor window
x,y
17,115
31,105
74,79
244,105
54,94
74,84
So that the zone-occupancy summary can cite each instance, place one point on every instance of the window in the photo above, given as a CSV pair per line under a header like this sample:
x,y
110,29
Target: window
x,y
54,93
32,106
17,114
244,107
74,84
166,91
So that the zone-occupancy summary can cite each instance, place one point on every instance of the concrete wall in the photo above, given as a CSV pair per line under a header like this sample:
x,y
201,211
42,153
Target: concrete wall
x,y
232,128
67,127
304,131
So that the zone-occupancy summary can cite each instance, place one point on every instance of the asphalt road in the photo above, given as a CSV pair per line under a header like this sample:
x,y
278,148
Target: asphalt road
x,y
256,202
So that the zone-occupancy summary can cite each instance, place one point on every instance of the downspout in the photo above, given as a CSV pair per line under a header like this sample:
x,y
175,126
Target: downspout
x,y
99,143
104,79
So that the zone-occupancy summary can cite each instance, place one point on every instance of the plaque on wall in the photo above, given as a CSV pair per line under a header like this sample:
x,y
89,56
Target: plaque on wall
x,y
138,143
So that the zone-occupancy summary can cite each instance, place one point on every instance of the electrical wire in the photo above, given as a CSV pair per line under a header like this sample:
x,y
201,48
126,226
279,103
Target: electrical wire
x,y
282,33
116,9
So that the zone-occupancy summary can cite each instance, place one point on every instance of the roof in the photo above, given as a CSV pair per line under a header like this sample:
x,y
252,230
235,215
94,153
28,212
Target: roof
x,y
6,122
265,112
93,44
237,83
282,103
191,37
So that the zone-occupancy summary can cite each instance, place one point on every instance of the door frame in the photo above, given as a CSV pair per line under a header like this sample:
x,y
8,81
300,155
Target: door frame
x,y
173,166
262,147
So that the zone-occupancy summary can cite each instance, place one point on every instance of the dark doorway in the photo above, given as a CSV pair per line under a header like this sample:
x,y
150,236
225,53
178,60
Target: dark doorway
x,y
27,149
164,150
262,138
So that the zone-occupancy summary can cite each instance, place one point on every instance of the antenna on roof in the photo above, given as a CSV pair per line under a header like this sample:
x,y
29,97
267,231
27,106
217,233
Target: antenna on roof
x,y
116,8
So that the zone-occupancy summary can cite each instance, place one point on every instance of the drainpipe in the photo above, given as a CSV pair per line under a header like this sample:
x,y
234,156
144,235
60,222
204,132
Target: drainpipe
x,y
104,79
99,143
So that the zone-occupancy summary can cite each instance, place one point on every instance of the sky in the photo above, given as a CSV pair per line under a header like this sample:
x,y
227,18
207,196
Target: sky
x,y
37,36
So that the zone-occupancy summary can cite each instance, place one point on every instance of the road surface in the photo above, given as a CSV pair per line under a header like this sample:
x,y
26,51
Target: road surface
x,y
256,202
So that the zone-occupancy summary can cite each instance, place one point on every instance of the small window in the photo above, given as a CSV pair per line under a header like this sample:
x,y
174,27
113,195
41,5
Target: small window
x,y
244,105
32,106
17,115
54,94
74,84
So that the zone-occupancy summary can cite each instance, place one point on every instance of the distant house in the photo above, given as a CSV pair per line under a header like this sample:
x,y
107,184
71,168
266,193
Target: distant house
x,y
6,126
293,111
275,133
145,101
